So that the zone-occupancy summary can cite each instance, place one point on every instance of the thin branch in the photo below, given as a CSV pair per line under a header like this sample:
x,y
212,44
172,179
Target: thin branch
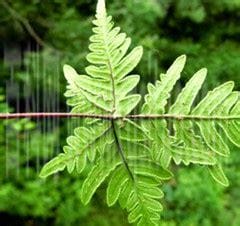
x,y
25,23
112,117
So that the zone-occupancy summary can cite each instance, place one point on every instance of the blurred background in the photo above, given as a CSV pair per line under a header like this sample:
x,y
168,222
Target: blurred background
x,y
37,37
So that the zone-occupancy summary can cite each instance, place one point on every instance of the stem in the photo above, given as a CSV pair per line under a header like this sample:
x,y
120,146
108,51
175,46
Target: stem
x,y
111,117
120,150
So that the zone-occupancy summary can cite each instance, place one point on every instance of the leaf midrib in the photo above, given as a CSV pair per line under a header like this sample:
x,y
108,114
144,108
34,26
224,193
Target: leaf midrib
x,y
109,64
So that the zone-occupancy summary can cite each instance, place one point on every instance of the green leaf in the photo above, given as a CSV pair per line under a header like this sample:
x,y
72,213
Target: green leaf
x,y
229,127
188,155
118,180
126,85
218,175
208,130
188,94
183,104
127,104
105,88
55,165
156,101
141,201
128,63
213,99
185,143
150,169
106,164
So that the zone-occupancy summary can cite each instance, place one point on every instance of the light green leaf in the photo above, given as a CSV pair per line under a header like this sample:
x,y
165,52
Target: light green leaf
x,y
118,180
213,99
128,63
188,94
218,175
55,165
188,155
156,101
150,169
127,104
106,164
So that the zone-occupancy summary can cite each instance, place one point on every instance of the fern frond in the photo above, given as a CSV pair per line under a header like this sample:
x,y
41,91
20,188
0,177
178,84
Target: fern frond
x,y
141,196
134,157
202,146
106,87
117,146
82,146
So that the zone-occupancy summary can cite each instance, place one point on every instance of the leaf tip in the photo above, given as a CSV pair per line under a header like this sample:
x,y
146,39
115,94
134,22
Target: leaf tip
x,y
140,49
66,67
182,58
231,84
69,72
204,70
101,7
84,199
218,175
202,73
42,174
109,202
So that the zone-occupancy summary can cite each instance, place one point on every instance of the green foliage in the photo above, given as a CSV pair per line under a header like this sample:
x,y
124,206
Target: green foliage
x,y
221,101
136,156
101,93
166,29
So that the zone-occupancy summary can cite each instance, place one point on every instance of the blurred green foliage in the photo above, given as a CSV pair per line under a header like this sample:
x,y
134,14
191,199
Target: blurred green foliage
x,y
207,31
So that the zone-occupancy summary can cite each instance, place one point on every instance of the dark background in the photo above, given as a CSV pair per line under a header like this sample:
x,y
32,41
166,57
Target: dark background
x,y
38,36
